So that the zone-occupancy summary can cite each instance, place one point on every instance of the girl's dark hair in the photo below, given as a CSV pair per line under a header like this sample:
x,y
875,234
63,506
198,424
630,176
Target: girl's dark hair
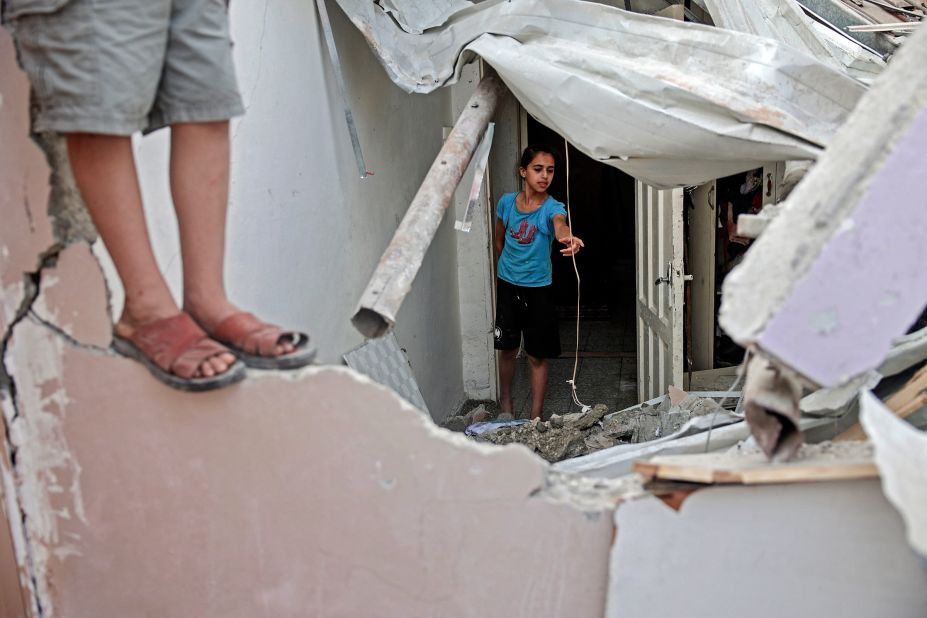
x,y
534,150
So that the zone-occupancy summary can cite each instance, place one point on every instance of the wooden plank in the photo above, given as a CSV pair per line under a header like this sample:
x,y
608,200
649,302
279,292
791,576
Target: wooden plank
x,y
809,473
909,399
752,468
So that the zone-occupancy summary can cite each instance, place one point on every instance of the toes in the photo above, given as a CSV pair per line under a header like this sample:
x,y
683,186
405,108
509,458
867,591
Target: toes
x,y
285,348
218,365
215,365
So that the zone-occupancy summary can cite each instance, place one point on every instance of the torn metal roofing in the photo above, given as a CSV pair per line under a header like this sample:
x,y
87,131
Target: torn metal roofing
x,y
670,103
786,21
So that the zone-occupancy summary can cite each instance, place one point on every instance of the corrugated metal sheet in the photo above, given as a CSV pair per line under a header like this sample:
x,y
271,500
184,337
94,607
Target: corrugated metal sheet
x,y
668,102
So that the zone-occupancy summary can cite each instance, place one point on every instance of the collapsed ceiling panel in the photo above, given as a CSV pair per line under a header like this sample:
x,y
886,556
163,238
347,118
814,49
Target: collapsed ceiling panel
x,y
668,102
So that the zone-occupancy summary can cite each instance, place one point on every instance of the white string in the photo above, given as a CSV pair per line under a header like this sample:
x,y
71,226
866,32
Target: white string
x,y
572,382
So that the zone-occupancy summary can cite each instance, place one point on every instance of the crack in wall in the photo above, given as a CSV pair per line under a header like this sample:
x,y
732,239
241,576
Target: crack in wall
x,y
66,211
31,288
67,337
32,283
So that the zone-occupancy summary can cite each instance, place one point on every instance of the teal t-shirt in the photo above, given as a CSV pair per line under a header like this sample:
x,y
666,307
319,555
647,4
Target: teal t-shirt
x,y
525,258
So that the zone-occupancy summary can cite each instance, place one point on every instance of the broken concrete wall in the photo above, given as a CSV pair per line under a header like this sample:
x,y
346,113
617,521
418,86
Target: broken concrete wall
x,y
317,493
305,231
26,235
836,276
800,550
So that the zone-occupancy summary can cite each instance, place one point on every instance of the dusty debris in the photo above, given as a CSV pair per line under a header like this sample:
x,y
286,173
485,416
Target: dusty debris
x,y
479,414
581,433
592,494
771,395
822,451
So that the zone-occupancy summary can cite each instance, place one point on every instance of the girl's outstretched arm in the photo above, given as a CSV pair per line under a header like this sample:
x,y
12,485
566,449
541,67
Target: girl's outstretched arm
x,y
564,235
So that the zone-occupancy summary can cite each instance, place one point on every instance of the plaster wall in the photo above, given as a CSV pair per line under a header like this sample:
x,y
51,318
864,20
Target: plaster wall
x,y
11,601
25,235
311,493
315,493
474,255
801,550
305,232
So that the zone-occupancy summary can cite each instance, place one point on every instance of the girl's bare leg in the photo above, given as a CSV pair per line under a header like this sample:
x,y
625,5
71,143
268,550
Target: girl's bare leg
x,y
200,188
104,168
506,375
539,371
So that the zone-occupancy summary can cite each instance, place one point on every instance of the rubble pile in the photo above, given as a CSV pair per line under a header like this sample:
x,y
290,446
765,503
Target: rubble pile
x,y
581,433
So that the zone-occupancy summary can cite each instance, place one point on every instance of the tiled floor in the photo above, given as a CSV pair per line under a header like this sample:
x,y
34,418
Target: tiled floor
x,y
606,373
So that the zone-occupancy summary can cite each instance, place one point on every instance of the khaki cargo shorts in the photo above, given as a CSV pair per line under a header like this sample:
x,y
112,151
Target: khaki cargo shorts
x,y
120,66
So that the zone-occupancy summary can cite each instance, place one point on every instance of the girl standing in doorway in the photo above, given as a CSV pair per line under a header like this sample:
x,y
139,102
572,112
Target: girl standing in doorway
x,y
527,222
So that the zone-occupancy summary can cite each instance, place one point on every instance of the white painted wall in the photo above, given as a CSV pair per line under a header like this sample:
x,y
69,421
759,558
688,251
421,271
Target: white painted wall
x,y
475,284
305,232
802,550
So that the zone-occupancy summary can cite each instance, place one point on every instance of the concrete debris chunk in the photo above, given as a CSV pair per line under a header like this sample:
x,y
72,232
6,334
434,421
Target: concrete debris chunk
x,y
460,422
581,433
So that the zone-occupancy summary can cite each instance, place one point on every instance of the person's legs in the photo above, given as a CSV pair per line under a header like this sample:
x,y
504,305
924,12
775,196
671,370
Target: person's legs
x,y
506,376
104,169
542,342
509,317
539,370
200,188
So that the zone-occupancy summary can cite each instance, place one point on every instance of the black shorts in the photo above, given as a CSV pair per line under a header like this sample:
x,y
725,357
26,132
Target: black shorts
x,y
530,311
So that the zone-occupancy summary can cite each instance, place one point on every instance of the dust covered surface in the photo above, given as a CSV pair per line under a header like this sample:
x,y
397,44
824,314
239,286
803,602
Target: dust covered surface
x,y
822,452
592,494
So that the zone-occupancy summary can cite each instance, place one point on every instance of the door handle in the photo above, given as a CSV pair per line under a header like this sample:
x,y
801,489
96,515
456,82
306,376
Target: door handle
x,y
668,277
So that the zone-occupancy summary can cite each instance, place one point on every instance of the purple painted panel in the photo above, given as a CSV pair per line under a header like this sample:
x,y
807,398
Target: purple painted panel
x,y
869,282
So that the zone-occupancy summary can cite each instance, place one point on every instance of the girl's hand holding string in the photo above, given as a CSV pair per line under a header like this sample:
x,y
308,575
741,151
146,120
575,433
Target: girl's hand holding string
x,y
573,245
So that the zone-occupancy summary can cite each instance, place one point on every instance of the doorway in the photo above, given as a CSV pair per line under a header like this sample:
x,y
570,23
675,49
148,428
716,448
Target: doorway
x,y
602,210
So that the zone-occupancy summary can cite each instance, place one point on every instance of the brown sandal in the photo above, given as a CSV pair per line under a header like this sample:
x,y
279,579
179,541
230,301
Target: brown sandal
x,y
173,349
253,341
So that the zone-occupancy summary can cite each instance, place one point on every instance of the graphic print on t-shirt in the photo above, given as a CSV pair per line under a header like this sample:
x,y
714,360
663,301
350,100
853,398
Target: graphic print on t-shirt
x,y
522,237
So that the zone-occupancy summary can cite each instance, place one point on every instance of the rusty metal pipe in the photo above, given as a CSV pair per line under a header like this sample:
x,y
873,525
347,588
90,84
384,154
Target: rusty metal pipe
x,y
392,279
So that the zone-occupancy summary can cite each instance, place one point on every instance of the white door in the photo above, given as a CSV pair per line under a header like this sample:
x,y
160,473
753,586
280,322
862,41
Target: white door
x,y
703,225
658,242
